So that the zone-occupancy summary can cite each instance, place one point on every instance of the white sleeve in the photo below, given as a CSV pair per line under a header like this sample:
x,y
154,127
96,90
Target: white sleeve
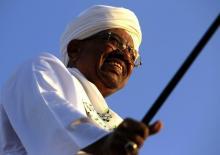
x,y
42,102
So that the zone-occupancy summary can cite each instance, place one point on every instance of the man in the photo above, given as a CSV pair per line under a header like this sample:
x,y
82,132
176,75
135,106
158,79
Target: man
x,y
52,108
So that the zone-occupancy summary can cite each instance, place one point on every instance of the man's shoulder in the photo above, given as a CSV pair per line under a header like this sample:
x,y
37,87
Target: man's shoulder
x,y
47,57
43,63
47,60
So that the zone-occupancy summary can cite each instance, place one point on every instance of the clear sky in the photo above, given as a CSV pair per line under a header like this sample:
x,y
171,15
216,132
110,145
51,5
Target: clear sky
x,y
171,29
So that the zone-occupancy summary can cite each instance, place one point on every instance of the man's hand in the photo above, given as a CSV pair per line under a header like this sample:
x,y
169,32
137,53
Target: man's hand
x,y
129,131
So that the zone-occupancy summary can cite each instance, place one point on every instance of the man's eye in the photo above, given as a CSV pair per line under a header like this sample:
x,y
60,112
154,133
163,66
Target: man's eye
x,y
130,50
132,53
114,41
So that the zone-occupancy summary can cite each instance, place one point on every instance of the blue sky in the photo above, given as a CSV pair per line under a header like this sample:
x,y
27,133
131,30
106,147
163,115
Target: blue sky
x,y
171,29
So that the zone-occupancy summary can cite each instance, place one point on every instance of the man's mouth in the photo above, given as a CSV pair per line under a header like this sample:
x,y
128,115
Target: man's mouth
x,y
114,66
114,62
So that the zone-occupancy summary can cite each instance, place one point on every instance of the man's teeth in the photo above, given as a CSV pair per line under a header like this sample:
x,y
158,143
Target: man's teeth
x,y
116,64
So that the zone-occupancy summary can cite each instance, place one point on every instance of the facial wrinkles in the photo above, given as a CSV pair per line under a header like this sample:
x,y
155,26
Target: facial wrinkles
x,y
112,69
122,64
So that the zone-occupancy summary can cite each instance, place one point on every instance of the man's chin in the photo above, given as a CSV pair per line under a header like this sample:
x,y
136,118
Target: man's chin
x,y
110,80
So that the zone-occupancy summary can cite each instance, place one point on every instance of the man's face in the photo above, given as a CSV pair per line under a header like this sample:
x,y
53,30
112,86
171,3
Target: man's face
x,y
101,61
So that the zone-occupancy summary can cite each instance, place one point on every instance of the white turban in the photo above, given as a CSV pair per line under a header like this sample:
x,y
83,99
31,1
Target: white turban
x,y
98,18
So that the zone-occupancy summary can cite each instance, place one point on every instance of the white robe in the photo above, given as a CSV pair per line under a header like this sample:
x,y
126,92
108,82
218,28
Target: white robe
x,y
42,111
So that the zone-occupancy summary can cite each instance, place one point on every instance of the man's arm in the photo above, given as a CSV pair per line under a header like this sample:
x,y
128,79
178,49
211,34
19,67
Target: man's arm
x,y
41,103
129,130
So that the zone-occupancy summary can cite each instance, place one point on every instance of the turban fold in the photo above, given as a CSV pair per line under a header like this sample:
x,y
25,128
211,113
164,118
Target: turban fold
x,y
98,18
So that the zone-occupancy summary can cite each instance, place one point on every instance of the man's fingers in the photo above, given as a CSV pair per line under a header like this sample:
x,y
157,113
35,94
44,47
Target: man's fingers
x,y
155,127
132,126
135,127
129,136
132,131
119,142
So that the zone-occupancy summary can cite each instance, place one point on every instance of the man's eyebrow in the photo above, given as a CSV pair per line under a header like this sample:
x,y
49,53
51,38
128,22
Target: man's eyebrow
x,y
120,39
117,37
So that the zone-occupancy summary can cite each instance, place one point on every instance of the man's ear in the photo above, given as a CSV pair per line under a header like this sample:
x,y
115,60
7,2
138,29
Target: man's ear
x,y
73,50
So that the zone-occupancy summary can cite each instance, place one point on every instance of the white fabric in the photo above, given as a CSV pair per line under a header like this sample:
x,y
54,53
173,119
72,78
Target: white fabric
x,y
98,18
42,111
98,104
